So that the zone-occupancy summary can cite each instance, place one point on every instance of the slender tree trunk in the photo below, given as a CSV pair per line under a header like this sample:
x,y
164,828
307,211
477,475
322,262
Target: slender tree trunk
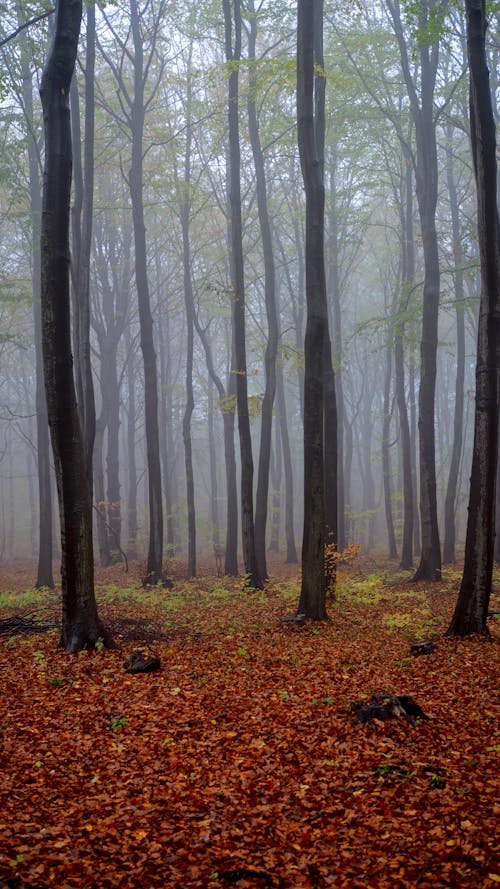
x,y
407,282
471,610
458,420
154,569
131,461
82,235
214,488
334,293
275,474
226,404
261,500
166,437
426,179
291,549
185,210
81,626
103,542
386,458
233,56
44,576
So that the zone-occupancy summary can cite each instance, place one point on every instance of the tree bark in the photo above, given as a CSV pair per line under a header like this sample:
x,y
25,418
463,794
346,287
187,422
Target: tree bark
x,y
154,569
291,549
82,245
386,458
81,626
471,610
407,282
426,179
458,419
44,576
262,494
310,87
233,56
185,211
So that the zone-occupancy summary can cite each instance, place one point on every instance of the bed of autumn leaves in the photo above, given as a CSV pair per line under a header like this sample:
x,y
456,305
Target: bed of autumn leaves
x,y
241,763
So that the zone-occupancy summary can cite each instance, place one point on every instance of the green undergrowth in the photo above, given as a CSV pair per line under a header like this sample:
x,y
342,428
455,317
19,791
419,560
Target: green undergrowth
x,y
11,600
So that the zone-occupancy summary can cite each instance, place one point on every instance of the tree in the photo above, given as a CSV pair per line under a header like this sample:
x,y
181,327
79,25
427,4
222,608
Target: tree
x,y
421,100
44,572
233,56
310,124
134,105
471,610
261,499
83,175
458,419
81,626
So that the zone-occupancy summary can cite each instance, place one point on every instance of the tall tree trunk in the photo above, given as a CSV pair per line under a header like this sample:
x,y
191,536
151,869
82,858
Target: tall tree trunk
x,y
44,576
334,293
386,457
261,499
458,420
82,245
407,283
291,549
154,569
81,626
131,458
426,179
185,211
233,56
310,110
471,610
166,437
214,488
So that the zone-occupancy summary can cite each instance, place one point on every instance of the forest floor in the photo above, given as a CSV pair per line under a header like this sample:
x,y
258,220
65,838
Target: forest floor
x,y
241,762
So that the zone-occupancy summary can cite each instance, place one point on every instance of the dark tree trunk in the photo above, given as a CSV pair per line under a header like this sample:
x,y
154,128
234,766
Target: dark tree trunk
x,y
131,461
330,456
261,499
233,56
82,245
214,488
413,445
334,293
458,420
81,626
471,610
185,211
166,437
44,576
497,506
407,282
154,569
310,96
426,179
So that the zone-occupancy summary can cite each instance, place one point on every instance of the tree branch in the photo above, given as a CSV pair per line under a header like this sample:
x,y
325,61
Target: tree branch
x,y
18,30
